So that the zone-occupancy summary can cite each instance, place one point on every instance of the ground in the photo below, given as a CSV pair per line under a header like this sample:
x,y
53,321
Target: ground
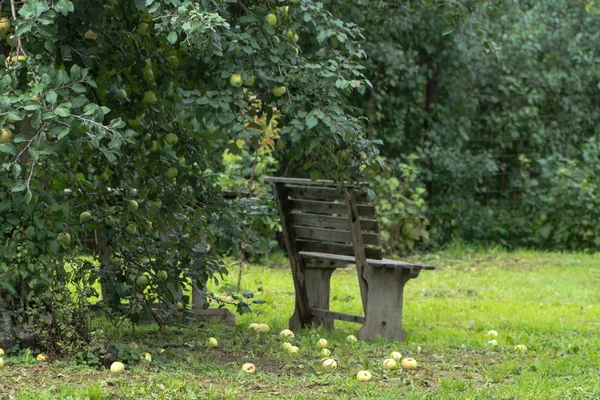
x,y
549,302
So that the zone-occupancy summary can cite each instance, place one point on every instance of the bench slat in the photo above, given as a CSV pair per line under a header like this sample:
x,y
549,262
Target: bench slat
x,y
333,235
324,207
326,221
318,263
320,193
372,262
318,312
304,181
335,248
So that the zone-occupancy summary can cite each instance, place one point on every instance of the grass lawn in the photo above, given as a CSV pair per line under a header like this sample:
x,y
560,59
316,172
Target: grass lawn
x,y
549,302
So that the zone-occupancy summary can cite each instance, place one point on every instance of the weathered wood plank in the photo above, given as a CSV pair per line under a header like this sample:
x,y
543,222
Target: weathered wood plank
x,y
325,207
318,263
321,193
318,283
333,235
301,316
384,311
383,263
360,258
304,181
326,221
334,248
331,315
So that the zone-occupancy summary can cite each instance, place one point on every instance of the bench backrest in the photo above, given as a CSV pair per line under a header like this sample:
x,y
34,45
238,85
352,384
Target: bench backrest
x,y
315,216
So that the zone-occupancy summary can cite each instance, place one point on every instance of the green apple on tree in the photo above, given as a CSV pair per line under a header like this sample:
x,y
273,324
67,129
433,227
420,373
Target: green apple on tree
x,y
5,136
172,172
131,229
180,306
278,91
4,26
236,80
146,17
271,19
162,275
171,139
289,34
143,28
142,281
90,35
63,239
132,206
121,94
110,221
85,216
149,97
154,146
249,82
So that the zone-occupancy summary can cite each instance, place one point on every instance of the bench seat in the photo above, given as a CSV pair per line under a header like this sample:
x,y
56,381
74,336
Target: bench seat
x,y
384,263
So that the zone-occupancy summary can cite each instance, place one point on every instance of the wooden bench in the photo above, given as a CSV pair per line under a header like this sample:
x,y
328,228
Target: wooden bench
x,y
327,226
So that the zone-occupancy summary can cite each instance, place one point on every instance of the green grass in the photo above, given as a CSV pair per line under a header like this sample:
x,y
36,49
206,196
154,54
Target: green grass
x,y
548,301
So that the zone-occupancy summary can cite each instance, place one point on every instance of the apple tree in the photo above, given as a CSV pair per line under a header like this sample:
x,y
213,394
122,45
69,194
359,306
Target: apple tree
x,y
115,116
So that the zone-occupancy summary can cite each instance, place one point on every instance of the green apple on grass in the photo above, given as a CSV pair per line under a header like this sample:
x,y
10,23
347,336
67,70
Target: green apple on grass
x,y
363,376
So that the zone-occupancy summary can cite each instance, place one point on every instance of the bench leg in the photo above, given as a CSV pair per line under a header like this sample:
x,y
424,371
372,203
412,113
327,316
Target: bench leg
x,y
317,288
383,316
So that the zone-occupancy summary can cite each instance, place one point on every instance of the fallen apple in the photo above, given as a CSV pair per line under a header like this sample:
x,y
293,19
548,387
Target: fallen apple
x,y
212,342
117,367
1,352
1,362
293,349
396,355
521,347
41,357
351,339
321,344
286,334
389,363
147,357
409,363
492,333
329,363
325,352
285,346
363,376
493,342
160,350
263,328
249,368
133,345
253,327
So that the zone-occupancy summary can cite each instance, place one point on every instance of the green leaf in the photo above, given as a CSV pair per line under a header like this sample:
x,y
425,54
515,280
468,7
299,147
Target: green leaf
x,y
311,121
64,7
8,148
64,110
18,187
28,196
172,37
16,170
78,88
